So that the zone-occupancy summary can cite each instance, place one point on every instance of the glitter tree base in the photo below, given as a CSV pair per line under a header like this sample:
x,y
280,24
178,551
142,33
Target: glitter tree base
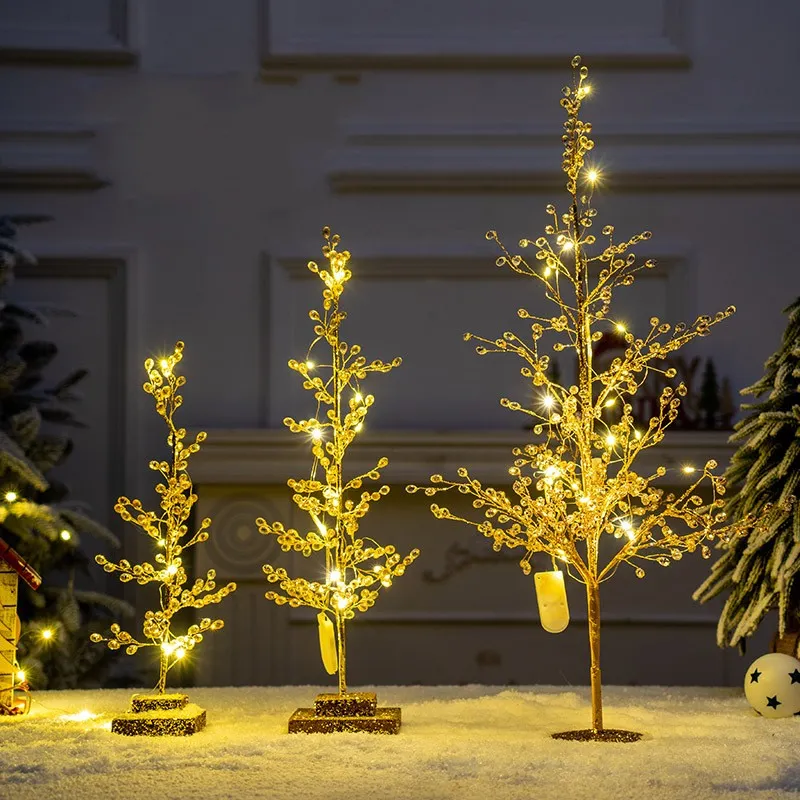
x,y
160,715
604,735
355,712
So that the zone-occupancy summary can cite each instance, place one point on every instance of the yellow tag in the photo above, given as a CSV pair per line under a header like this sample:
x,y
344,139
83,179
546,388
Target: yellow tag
x,y
327,643
551,595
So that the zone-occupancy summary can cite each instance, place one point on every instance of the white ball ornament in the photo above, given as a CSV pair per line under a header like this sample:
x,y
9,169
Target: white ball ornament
x,y
772,685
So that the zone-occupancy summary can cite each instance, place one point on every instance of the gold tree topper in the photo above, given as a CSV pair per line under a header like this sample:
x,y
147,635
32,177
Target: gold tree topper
x,y
577,480
356,567
170,535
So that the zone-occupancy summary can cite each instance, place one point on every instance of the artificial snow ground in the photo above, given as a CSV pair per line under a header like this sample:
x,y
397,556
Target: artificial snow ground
x,y
457,742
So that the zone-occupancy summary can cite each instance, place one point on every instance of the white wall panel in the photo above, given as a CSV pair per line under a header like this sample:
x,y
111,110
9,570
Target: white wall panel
x,y
682,155
442,383
36,156
514,32
77,32
93,337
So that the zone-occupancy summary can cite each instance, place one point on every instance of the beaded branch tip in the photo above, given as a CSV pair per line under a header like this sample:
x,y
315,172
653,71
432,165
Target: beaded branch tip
x,y
576,483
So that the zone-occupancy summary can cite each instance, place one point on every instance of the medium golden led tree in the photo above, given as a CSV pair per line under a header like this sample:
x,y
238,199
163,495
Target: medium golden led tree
x,y
576,483
356,568
169,532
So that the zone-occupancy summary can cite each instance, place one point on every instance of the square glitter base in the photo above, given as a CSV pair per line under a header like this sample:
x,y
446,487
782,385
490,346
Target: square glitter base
x,y
160,715
384,720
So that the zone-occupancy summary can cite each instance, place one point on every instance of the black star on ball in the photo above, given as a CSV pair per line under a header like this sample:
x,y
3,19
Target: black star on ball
x,y
754,676
795,676
773,702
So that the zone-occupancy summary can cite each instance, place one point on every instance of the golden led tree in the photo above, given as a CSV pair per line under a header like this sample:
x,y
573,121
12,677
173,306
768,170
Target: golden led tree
x,y
356,568
576,483
169,532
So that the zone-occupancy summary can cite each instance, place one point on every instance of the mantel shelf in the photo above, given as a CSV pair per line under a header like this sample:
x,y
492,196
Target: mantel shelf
x,y
270,456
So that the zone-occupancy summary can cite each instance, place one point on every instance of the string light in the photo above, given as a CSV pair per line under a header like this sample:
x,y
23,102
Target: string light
x,y
344,549
47,634
627,528
169,529
80,716
569,527
11,497
688,469
65,535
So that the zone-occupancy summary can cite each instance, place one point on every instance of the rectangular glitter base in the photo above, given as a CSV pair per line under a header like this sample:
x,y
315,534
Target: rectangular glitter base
x,y
385,720
352,704
172,722
158,702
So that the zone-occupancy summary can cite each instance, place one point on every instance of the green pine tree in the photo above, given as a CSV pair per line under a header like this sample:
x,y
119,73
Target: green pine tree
x,y
36,516
758,572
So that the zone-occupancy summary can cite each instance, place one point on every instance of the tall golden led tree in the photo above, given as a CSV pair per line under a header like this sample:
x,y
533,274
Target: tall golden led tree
x,y
576,483
171,537
356,568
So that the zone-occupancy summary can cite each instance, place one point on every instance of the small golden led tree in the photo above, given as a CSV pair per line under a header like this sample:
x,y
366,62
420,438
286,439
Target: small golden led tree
x,y
356,567
577,480
168,529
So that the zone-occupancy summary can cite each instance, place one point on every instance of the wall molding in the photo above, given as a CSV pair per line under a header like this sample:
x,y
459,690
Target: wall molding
x,y
396,156
36,157
450,266
262,456
108,45
298,36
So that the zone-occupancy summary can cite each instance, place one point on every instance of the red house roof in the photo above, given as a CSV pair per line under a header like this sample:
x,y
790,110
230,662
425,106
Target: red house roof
x,y
19,565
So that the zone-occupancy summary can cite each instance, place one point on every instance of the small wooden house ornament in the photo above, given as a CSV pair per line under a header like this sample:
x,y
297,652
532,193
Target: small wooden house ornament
x,y
14,698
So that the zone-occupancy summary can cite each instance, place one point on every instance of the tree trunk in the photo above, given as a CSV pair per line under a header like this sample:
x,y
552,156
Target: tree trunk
x,y
593,603
162,673
789,643
340,642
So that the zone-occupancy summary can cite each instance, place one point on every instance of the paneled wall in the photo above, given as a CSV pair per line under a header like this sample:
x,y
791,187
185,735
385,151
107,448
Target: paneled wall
x,y
189,153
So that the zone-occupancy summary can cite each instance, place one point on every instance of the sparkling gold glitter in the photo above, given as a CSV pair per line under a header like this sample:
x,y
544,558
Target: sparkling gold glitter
x,y
604,735
352,704
356,568
576,481
160,715
169,532
158,702
384,720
